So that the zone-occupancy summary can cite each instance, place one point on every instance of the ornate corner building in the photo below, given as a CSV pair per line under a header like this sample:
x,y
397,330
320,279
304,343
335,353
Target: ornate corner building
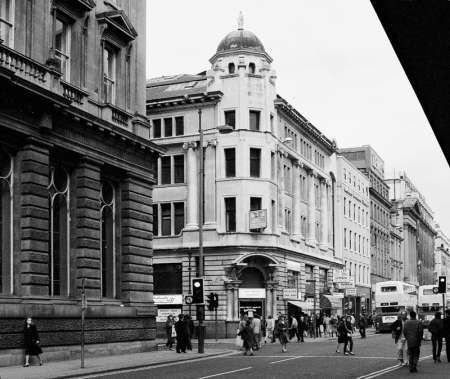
x,y
76,171
270,191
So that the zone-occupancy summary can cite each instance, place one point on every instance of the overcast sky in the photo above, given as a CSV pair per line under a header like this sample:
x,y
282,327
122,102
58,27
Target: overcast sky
x,y
334,64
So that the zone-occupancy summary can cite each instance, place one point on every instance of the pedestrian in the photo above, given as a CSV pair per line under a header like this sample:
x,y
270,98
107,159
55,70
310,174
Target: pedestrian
x,y
333,325
247,336
349,336
399,338
446,323
326,325
263,329
302,327
170,331
256,325
362,324
436,329
341,333
32,341
190,331
293,325
270,326
413,332
319,325
180,328
282,332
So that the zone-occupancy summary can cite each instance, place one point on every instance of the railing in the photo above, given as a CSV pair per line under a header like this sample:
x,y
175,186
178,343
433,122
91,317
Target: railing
x,y
120,117
73,93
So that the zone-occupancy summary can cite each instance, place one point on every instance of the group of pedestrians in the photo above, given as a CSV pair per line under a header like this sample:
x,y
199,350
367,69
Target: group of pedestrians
x,y
408,335
180,331
345,330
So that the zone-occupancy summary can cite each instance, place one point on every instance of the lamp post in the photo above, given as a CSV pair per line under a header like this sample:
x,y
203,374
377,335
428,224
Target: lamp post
x,y
201,271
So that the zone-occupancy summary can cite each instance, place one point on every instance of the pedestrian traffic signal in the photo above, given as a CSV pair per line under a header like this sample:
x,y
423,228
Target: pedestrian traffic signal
x,y
210,302
197,291
442,284
216,301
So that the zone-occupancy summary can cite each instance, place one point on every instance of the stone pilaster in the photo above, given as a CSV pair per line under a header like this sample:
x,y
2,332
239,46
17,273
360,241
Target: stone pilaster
x,y
192,181
210,184
324,215
85,207
316,292
136,270
311,237
296,206
280,169
236,314
229,287
33,201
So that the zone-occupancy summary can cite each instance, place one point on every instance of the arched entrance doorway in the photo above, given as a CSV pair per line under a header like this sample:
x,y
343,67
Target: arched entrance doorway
x,y
252,292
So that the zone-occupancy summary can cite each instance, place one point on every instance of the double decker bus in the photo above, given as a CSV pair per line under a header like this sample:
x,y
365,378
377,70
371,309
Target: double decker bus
x,y
391,298
429,303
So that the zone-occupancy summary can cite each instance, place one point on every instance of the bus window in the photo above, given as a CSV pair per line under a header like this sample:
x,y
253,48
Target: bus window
x,y
428,291
389,289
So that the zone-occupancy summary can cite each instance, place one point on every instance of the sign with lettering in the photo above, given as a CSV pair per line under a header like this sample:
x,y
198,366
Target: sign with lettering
x,y
167,299
258,219
252,293
290,294
350,291
163,313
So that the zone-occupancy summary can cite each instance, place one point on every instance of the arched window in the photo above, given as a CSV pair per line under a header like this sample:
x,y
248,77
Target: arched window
x,y
231,68
251,68
107,240
6,217
59,232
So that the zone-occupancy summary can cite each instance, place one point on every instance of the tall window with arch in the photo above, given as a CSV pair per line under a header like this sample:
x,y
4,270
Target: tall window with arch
x,y
6,224
107,239
251,68
231,68
59,230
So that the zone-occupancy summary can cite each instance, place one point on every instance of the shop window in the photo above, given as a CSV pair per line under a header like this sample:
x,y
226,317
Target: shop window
x,y
107,240
230,118
254,119
255,163
230,162
230,214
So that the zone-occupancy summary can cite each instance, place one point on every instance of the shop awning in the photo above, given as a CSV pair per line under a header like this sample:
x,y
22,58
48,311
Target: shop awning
x,y
330,302
301,304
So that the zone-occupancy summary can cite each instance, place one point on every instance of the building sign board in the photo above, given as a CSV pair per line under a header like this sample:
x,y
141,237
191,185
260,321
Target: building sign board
x,y
350,291
163,313
258,219
168,299
252,293
290,294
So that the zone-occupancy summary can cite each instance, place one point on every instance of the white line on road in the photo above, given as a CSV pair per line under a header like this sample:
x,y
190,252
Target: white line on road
x,y
287,359
385,370
225,373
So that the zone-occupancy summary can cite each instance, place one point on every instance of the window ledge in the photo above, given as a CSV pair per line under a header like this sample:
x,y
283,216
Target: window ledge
x,y
229,76
170,185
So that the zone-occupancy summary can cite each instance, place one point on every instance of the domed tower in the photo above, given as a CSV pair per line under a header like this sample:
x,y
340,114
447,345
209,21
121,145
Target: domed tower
x,y
241,70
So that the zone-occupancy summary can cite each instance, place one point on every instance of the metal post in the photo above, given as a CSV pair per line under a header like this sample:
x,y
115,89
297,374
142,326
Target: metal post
x,y
315,316
201,334
215,323
443,304
83,309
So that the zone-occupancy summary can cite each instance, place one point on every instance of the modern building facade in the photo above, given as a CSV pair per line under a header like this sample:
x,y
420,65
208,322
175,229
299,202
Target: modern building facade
x,y
415,217
76,173
442,256
354,229
371,165
270,195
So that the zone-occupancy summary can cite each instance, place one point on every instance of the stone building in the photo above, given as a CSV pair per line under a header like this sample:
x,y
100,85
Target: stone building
x,y
76,172
442,256
353,220
415,217
371,165
270,195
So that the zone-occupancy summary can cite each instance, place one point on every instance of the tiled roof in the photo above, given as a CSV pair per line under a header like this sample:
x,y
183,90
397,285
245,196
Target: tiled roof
x,y
166,87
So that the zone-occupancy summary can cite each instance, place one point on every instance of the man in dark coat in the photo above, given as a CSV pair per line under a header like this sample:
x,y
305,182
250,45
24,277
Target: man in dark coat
x,y
446,331
436,329
180,328
399,338
362,326
302,327
413,332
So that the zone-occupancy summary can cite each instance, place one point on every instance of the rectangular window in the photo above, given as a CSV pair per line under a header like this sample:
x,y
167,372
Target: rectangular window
x,y
254,120
157,128
179,217
230,162
166,219
345,237
230,118
272,165
271,123
274,216
255,163
167,278
62,47
168,127
109,75
178,163
230,214
7,22
179,125
292,279
287,220
155,220
255,203
165,170
309,288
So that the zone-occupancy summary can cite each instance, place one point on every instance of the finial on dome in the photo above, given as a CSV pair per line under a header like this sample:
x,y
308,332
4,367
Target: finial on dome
x,y
240,21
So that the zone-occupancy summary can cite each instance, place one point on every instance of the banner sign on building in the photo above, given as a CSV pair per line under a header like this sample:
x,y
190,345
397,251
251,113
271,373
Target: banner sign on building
x,y
350,291
163,313
290,294
258,219
252,293
343,280
167,299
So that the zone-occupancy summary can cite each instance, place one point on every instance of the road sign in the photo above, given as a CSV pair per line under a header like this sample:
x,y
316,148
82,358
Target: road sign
x,y
435,290
188,299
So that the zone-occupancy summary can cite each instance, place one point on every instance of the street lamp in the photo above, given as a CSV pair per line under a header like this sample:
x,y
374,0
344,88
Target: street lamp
x,y
223,129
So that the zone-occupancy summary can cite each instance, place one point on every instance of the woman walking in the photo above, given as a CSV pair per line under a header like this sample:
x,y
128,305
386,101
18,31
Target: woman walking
x,y
341,333
246,334
170,331
282,331
349,338
32,342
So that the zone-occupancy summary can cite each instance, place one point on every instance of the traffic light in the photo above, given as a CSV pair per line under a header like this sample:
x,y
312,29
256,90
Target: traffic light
x,y
197,291
442,284
211,302
216,301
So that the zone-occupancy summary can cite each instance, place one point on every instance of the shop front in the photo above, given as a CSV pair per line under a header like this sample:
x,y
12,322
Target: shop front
x,y
167,305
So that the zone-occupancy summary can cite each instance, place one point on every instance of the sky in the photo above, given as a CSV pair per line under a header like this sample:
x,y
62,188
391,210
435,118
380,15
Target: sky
x,y
334,64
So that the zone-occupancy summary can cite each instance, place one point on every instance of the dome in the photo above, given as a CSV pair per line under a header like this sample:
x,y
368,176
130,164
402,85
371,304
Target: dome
x,y
240,39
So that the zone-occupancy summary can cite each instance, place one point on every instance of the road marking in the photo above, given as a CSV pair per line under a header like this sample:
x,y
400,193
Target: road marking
x,y
225,373
288,359
386,370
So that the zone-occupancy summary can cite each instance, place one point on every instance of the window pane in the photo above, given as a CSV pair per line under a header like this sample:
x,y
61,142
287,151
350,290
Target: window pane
x,y
178,161
165,220
156,128
179,217
179,125
254,120
165,170
230,214
168,127
155,220
255,203
167,278
230,118
255,162
230,162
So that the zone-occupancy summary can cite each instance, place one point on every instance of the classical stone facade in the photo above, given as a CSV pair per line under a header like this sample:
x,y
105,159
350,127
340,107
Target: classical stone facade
x,y
270,191
76,174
